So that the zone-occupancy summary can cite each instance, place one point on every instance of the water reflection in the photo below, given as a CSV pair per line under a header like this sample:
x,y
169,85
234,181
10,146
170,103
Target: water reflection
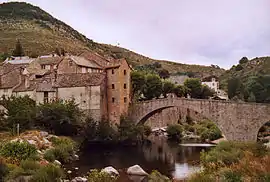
x,y
170,159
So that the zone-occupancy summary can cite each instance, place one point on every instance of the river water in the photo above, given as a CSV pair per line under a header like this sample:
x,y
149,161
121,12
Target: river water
x,y
170,159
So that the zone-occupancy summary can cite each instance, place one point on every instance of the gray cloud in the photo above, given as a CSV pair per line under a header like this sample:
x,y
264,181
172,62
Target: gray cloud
x,y
189,31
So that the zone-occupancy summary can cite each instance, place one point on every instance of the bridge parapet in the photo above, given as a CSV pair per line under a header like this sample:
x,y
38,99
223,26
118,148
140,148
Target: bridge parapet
x,y
234,119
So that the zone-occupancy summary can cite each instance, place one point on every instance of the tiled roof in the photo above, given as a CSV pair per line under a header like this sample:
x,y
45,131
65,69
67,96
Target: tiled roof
x,y
81,61
79,79
49,60
91,56
10,75
23,88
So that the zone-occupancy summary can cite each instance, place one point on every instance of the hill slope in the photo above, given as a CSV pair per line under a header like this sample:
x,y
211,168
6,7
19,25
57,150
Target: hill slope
x,y
40,33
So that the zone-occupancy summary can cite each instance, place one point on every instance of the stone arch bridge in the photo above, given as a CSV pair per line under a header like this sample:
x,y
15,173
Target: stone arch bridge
x,y
237,121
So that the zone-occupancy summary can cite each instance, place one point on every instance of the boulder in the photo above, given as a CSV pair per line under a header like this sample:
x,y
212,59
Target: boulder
x,y
43,133
32,142
79,179
76,157
110,170
136,170
57,162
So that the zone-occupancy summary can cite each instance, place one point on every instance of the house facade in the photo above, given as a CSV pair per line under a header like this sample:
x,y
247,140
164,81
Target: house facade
x,y
211,82
100,87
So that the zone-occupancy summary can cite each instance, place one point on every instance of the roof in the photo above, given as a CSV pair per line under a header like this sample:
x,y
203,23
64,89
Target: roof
x,y
81,61
91,56
23,88
49,60
20,61
44,85
209,78
79,79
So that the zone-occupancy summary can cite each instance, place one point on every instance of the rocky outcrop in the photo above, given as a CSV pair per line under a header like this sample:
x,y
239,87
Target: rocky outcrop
x,y
136,170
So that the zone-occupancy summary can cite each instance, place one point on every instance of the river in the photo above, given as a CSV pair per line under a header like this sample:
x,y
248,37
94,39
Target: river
x,y
170,159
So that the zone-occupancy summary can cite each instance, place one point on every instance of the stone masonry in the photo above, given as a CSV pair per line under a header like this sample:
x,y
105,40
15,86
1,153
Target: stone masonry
x,y
237,121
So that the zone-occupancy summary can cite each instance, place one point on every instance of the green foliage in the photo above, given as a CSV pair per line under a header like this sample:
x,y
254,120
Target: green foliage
x,y
163,73
49,155
47,173
4,56
59,117
206,92
155,176
231,176
180,90
194,86
62,151
18,51
20,110
228,153
138,82
235,87
98,176
207,130
239,67
18,151
202,177
243,60
167,87
153,86
174,132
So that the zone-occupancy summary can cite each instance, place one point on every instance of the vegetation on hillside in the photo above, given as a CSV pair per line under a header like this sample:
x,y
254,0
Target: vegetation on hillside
x,y
40,33
249,80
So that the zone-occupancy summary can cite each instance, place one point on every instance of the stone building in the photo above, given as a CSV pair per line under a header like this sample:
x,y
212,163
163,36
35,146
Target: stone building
x,y
99,86
211,82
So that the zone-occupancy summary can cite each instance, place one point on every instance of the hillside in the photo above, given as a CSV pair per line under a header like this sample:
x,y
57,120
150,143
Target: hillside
x,y
254,67
40,33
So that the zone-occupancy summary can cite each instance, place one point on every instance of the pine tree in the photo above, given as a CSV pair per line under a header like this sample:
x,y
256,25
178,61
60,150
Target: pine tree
x,y
18,51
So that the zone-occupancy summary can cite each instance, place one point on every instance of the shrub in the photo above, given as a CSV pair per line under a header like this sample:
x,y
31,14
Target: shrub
x,y
97,176
49,155
18,151
202,177
155,176
29,165
46,173
174,132
63,141
231,176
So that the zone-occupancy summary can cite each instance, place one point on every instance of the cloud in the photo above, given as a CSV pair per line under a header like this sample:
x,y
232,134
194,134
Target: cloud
x,y
189,31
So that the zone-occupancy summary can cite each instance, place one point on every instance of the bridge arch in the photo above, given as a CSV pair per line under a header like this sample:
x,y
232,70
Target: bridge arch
x,y
237,121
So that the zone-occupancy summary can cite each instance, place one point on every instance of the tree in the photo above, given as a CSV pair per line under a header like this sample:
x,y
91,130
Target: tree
x,y
163,73
167,87
243,60
153,86
19,110
235,87
57,52
239,67
59,117
18,51
251,97
206,92
138,82
194,85
4,56
180,90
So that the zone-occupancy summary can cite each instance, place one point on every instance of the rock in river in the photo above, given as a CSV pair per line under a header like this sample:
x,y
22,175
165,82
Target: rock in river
x,y
136,170
110,170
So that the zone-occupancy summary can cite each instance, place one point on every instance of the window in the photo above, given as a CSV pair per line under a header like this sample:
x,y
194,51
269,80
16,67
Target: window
x,y
83,70
46,97
125,100
125,72
5,90
43,67
89,70
112,86
125,86
113,100
112,71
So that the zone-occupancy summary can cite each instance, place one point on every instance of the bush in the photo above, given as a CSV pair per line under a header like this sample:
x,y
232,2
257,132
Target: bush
x,y
63,141
49,155
18,151
97,176
231,176
174,132
228,153
46,173
201,177
155,176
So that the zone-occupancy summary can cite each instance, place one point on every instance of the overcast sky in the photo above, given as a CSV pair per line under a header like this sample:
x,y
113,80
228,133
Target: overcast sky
x,y
187,31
